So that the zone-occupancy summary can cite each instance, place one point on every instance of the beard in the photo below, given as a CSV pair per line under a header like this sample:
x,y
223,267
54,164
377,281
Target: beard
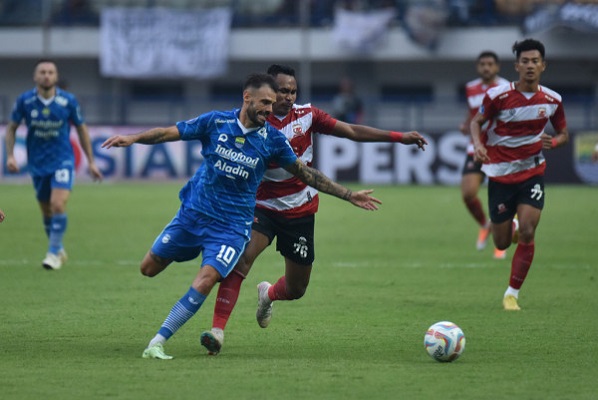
x,y
47,86
253,116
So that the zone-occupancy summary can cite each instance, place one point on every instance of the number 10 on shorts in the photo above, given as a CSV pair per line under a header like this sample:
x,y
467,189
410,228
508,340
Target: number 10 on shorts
x,y
226,254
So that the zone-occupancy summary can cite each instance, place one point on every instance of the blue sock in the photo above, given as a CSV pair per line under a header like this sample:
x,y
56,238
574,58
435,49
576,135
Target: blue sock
x,y
47,221
182,311
57,229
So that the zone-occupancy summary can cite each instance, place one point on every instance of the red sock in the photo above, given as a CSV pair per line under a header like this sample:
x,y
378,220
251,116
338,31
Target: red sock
x,y
228,293
278,291
476,210
522,261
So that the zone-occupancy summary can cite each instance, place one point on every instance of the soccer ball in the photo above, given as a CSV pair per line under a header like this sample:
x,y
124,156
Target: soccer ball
x,y
444,341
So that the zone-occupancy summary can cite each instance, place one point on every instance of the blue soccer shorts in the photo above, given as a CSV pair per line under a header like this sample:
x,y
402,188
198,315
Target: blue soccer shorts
x,y
62,178
191,233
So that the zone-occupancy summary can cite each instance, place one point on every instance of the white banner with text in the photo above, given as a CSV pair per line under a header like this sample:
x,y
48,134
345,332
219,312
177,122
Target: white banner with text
x,y
164,43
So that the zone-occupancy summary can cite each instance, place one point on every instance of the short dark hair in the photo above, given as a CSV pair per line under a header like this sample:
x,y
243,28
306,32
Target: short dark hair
x,y
488,53
42,61
258,80
276,69
527,45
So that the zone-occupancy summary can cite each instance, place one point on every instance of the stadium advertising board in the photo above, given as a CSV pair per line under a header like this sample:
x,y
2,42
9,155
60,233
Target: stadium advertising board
x,y
340,159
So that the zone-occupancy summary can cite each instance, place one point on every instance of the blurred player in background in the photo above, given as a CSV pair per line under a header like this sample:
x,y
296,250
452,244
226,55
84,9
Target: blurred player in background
x,y
217,203
48,112
487,66
511,152
286,206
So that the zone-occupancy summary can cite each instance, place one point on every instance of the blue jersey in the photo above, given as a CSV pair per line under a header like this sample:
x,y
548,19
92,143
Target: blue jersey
x,y
235,160
48,129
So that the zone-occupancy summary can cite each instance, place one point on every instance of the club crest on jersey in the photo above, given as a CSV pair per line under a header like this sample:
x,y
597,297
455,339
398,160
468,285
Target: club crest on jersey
x,y
239,141
297,130
46,111
262,132
542,112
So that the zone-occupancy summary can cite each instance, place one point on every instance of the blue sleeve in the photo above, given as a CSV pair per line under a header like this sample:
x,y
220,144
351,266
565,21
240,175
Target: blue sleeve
x,y
17,111
284,154
194,129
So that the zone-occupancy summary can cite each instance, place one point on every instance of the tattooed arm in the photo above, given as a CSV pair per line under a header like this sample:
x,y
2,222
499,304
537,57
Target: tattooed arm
x,y
321,182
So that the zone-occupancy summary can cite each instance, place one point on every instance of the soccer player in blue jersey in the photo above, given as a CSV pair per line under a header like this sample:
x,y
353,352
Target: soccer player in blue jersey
x,y
217,203
48,112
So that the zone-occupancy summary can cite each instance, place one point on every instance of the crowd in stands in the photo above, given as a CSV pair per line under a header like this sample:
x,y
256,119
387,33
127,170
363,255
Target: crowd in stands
x,y
251,13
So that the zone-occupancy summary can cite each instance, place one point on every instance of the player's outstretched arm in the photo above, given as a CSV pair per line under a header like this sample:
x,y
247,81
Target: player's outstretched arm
x,y
151,136
318,180
362,133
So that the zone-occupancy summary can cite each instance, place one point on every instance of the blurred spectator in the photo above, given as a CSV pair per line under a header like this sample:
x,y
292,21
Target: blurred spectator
x,y
425,20
75,12
346,105
595,154
20,12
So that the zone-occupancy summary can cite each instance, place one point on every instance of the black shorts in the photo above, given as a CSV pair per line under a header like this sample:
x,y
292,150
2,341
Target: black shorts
x,y
471,167
295,235
503,198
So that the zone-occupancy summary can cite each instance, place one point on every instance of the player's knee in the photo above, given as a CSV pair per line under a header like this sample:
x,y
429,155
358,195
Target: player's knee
x,y
148,270
469,195
526,234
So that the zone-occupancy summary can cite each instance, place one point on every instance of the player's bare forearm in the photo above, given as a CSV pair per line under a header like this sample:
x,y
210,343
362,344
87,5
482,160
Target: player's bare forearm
x,y
551,142
321,182
318,180
85,142
362,133
11,133
151,136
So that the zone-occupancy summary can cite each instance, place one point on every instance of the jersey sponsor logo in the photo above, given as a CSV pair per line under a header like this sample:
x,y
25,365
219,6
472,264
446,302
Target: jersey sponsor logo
x,y
263,133
46,124
235,156
504,96
225,121
231,170
34,113
166,238
222,138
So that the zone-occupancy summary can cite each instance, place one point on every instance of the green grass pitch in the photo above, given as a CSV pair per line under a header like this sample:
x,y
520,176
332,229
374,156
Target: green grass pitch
x,y
380,279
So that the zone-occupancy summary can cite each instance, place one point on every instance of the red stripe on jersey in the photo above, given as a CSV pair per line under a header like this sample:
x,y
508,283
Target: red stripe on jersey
x,y
499,154
521,176
273,190
304,210
519,128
